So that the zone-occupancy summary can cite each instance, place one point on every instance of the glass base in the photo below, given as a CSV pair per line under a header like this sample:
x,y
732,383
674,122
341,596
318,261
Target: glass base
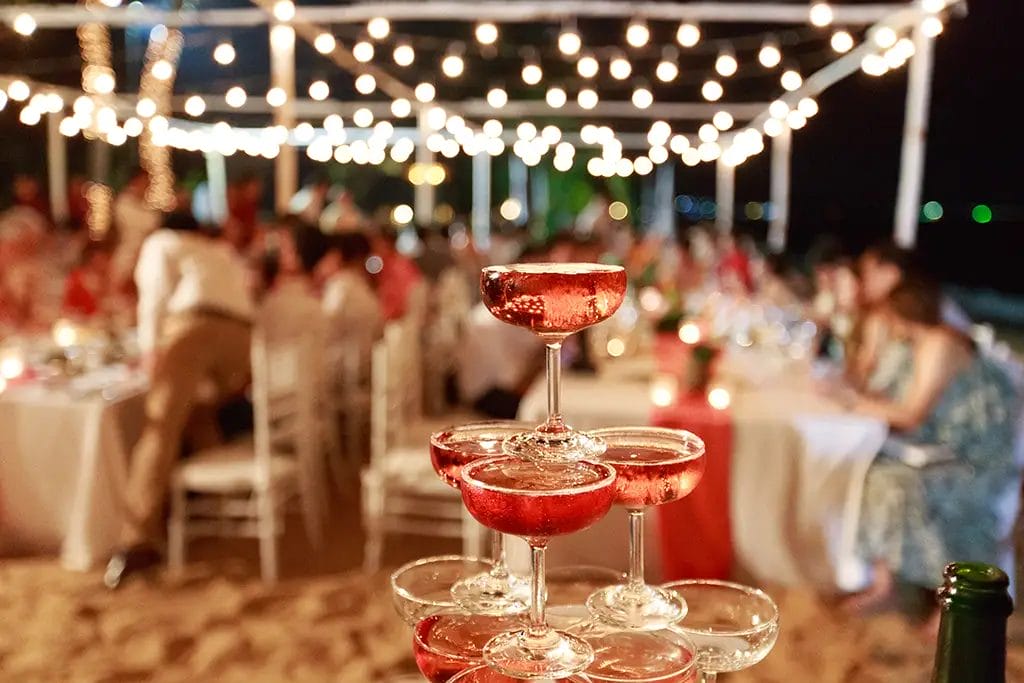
x,y
561,445
647,608
492,593
549,654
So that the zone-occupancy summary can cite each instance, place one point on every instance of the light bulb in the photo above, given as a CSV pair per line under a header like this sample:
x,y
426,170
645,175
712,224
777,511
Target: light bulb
x,y
884,37
795,120
235,97
425,92
284,10
555,97
497,98
712,91
821,14
378,28
569,42
363,51
842,42
807,106
145,107
68,127
224,53
133,127
452,66
587,66
620,68
30,116
401,108
637,33
707,133
678,143
435,118
688,34
319,90
276,97
773,127
24,24
562,163
769,55
404,55
492,128
873,65
709,151
791,80
931,26
658,133
658,154
486,33
103,83
587,98
642,98
325,43
778,109
643,166
162,70
532,73
365,84
195,106
666,70
362,117
723,120
726,64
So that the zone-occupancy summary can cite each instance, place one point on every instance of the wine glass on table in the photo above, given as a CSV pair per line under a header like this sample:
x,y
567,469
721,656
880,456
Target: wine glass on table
x,y
424,587
537,500
621,655
653,466
451,641
496,591
733,626
485,674
554,301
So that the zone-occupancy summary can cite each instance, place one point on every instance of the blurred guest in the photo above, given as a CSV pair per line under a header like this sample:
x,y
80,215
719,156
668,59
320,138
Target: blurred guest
x,y
342,214
244,198
834,306
194,328
398,276
917,519
88,287
78,204
734,273
134,219
310,201
435,256
29,282
594,219
29,193
354,316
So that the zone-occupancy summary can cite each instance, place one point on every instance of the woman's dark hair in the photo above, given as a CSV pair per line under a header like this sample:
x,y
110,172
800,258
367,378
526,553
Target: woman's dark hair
x,y
310,245
890,253
918,300
182,221
354,247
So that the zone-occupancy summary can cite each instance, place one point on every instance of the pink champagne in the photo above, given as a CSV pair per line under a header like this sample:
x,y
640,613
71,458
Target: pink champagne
x,y
537,500
650,475
484,674
553,299
447,644
450,451
639,655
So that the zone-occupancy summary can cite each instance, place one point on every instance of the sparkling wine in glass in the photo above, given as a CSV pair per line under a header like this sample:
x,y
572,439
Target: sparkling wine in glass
x,y
554,301
733,626
449,642
485,674
537,500
620,655
654,466
496,591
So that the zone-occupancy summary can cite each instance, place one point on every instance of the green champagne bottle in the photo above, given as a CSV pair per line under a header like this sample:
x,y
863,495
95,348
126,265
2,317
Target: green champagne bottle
x,y
975,603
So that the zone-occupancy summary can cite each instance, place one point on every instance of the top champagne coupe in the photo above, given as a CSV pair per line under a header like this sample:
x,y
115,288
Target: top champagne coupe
x,y
554,301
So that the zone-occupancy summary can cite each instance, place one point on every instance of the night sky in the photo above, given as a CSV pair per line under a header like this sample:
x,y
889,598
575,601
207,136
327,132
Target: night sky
x,y
845,161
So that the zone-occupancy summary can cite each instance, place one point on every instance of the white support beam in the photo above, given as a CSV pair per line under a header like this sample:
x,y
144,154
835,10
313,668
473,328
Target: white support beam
x,y
217,186
481,215
423,194
282,75
725,195
915,136
664,190
518,187
57,168
778,222
51,16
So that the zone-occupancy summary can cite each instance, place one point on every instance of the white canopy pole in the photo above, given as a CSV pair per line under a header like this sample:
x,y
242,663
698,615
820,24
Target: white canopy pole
x,y
423,197
664,187
725,194
915,134
481,216
282,75
57,168
518,180
217,185
778,221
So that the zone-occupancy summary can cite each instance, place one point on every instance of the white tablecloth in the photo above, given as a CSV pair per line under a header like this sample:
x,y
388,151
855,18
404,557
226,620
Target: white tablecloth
x,y
63,461
798,467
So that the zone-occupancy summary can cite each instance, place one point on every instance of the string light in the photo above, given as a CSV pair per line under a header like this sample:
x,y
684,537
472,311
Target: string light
x,y
235,98
365,84
284,10
24,24
319,90
795,120
146,107
778,109
707,133
404,55
555,97
643,166
276,97
103,82
773,128
667,69
821,14
769,55
362,117
492,128
688,34
435,118
712,91
726,63
619,67
658,133
587,66
532,73
486,33
68,127
195,106
678,143
723,120
526,131
18,90
363,51
30,116
452,65
378,28
497,98
642,98
807,106
425,92
587,98
162,70
569,42
873,65
562,163
637,33
884,37
931,26
791,80
325,43
133,127
842,42
224,53
709,151
401,108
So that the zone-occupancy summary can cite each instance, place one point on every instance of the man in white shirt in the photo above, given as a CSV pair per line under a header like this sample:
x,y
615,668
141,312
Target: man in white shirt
x,y
134,220
194,330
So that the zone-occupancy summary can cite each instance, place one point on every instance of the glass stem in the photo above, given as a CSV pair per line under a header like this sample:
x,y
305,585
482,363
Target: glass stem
x,y
500,569
708,676
538,626
554,371
636,549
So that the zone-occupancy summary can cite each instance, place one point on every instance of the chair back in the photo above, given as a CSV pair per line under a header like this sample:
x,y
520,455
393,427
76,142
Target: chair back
x,y
390,368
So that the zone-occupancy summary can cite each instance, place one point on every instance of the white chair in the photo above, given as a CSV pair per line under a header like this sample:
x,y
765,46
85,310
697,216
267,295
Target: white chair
x,y
401,493
243,488
442,335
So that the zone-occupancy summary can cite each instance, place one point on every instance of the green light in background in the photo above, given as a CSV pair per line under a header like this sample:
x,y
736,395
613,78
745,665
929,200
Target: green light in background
x,y
932,211
981,213
754,211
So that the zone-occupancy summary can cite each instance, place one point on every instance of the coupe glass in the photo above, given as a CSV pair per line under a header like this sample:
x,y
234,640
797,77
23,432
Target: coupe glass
x,y
568,588
496,591
424,587
733,626
451,641
554,301
620,655
653,466
485,674
537,500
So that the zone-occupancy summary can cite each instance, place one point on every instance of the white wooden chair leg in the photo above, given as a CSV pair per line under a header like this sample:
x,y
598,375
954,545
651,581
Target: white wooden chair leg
x,y
267,523
176,530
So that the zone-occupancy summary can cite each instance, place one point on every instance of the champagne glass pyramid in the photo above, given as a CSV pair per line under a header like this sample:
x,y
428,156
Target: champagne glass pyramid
x,y
496,591
633,656
554,301
733,626
537,500
653,466
449,642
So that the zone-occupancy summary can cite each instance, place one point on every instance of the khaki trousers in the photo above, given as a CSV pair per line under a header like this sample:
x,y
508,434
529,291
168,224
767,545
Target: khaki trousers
x,y
203,350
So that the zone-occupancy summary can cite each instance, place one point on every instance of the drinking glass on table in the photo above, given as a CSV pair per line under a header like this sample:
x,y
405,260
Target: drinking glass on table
x,y
653,466
451,641
554,301
497,590
733,626
624,655
537,500
424,587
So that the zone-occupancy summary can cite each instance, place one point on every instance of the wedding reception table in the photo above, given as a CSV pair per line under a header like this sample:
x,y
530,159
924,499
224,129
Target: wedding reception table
x,y
63,458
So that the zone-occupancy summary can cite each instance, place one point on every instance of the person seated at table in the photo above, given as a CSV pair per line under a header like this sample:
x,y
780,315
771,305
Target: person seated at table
x,y
135,218
398,277
291,302
917,519
194,320
87,288
30,277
